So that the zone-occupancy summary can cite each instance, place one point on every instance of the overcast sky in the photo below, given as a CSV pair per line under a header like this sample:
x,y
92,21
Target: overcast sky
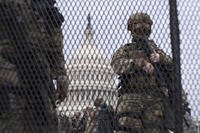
x,y
109,22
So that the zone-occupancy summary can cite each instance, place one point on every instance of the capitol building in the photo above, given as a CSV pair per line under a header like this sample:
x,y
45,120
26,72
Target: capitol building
x,y
90,76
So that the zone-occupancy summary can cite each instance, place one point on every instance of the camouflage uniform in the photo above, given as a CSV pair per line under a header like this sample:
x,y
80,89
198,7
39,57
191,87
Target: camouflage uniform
x,y
30,58
141,99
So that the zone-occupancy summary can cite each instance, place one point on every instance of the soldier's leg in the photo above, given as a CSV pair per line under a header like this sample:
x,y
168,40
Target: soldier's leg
x,y
153,116
128,113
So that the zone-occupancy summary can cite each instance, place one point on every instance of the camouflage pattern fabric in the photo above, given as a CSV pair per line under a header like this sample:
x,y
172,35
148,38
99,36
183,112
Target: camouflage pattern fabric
x,y
139,113
141,105
129,60
33,109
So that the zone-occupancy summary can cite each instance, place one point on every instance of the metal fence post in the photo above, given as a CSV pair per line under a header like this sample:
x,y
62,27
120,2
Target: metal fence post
x,y
175,42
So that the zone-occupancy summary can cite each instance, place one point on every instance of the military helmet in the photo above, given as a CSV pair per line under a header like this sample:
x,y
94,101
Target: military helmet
x,y
138,17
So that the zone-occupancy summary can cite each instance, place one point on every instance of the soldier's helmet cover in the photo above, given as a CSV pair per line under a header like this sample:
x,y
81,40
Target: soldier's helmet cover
x,y
139,18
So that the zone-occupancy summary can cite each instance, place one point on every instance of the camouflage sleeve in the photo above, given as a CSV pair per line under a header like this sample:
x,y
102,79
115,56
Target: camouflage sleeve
x,y
57,63
166,61
123,64
164,58
56,56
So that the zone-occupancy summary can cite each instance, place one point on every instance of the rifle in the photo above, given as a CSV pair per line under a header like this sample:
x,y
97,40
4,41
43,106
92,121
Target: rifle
x,y
144,45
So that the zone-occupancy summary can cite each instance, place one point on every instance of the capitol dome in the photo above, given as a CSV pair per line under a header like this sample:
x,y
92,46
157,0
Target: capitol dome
x,y
90,75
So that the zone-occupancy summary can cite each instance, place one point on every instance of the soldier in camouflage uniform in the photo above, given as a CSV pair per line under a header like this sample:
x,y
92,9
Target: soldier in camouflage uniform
x,y
140,107
31,57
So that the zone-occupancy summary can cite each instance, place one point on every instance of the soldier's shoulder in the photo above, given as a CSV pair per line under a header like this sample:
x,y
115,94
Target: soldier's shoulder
x,y
123,49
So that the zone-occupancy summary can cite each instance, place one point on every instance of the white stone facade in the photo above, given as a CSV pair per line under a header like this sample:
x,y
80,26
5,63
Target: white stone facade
x,y
90,76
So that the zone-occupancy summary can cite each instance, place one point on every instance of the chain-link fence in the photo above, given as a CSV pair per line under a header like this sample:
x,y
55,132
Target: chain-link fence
x,y
85,66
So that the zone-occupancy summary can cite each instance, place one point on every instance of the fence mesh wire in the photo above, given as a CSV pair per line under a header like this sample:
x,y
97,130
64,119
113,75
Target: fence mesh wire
x,y
61,67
